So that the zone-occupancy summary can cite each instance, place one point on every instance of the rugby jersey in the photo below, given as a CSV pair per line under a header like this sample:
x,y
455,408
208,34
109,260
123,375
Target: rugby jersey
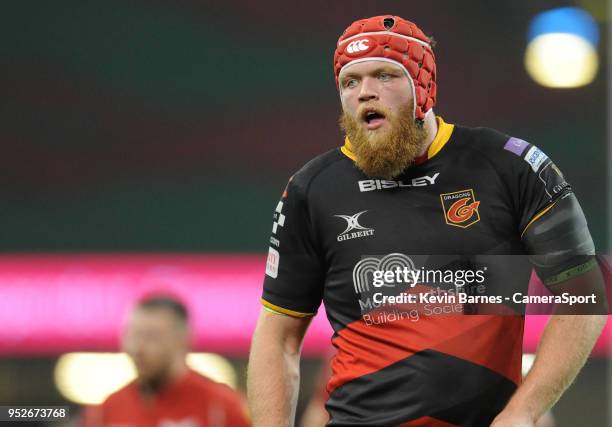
x,y
476,193
191,401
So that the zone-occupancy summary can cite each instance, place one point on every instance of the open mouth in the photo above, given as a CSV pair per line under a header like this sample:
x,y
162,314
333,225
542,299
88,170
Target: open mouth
x,y
373,119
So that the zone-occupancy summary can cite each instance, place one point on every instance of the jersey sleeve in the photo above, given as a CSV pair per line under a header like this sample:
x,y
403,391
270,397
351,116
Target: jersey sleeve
x,y
540,183
293,283
552,224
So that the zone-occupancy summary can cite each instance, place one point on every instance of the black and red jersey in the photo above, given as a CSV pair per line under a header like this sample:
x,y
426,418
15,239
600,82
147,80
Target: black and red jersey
x,y
476,193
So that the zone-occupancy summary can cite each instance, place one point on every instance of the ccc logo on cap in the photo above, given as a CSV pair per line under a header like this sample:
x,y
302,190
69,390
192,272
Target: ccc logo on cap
x,y
358,46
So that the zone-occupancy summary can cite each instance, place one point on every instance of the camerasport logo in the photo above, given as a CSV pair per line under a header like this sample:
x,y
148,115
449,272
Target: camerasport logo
x,y
460,208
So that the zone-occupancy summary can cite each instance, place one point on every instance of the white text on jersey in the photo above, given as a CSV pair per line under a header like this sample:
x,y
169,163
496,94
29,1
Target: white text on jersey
x,y
383,184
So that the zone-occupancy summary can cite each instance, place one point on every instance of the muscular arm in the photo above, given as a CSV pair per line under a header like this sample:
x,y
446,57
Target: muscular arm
x,y
273,373
565,345
562,250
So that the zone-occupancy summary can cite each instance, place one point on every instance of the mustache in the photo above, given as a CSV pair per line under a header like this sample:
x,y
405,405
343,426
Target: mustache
x,y
372,106
387,153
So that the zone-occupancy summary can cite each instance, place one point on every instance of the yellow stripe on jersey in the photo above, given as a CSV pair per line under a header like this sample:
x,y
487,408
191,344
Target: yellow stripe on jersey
x,y
442,137
280,310
445,131
347,149
536,216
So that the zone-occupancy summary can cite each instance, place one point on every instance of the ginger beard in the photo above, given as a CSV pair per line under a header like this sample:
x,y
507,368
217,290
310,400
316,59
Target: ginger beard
x,y
384,152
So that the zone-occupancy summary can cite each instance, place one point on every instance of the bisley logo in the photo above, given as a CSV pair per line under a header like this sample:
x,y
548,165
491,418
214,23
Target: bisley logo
x,y
352,223
383,184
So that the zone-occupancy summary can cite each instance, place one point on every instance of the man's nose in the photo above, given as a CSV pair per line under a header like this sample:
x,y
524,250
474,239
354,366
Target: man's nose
x,y
368,90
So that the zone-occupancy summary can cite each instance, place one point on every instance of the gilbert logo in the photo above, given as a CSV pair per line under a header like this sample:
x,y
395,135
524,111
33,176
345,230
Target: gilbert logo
x,y
460,208
358,46
352,223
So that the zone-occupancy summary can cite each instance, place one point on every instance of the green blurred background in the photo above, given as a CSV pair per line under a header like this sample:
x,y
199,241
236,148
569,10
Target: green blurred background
x,y
173,126
156,125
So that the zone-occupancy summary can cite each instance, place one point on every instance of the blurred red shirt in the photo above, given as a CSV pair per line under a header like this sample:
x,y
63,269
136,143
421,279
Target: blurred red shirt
x,y
192,401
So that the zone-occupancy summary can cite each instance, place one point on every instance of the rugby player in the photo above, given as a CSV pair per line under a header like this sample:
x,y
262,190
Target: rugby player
x,y
407,182
166,392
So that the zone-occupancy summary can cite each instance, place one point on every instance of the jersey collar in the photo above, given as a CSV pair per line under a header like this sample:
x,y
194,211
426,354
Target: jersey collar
x,y
445,131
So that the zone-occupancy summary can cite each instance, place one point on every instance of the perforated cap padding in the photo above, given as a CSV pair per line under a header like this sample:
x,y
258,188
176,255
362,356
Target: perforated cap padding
x,y
400,41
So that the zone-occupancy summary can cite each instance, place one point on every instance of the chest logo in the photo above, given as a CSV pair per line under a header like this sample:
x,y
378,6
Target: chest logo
x,y
460,208
352,223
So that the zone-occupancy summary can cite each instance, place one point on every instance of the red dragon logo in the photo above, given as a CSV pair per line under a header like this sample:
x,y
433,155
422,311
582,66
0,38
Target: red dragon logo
x,y
460,208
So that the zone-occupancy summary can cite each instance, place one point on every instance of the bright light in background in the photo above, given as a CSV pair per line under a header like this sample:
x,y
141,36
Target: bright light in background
x,y
528,359
213,366
562,48
561,60
89,378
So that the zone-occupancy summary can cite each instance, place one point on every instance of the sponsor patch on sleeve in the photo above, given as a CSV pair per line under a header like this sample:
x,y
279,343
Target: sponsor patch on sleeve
x,y
272,263
535,157
516,146
553,180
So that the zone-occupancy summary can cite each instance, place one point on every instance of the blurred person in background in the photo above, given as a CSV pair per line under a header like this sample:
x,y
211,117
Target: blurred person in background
x,y
166,393
407,182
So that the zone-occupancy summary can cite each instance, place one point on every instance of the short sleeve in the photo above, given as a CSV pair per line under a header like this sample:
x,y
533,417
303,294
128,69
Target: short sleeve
x,y
553,227
540,184
293,283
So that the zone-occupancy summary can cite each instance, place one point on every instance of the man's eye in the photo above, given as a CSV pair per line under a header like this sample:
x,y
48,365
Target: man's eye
x,y
350,83
384,77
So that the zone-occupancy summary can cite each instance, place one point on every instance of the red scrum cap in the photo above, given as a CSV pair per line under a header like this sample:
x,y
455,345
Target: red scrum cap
x,y
392,39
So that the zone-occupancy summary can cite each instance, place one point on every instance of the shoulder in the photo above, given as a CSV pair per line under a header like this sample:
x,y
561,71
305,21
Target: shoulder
x,y
221,397
483,139
120,397
315,168
494,146
212,389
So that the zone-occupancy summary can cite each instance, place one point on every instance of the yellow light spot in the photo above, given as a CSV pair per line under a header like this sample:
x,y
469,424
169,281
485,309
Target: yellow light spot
x,y
89,378
561,60
528,359
213,366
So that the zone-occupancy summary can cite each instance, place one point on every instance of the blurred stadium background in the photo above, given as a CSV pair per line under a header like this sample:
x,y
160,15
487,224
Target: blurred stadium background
x,y
146,143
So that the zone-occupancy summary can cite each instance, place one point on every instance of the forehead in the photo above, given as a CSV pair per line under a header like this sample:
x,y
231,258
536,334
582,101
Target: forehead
x,y
151,318
371,66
